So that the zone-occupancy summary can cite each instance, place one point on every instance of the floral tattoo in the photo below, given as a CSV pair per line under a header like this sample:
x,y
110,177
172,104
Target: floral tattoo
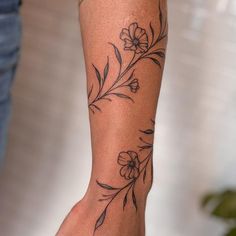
x,y
143,46
133,166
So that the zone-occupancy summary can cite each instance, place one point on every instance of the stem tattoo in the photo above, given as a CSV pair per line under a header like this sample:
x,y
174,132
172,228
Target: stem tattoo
x,y
134,166
142,45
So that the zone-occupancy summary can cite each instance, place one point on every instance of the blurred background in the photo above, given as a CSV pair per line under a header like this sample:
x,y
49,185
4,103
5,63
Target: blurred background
x,y
48,159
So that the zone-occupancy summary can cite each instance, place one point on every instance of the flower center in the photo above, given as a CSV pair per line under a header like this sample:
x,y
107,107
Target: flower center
x,y
135,41
131,164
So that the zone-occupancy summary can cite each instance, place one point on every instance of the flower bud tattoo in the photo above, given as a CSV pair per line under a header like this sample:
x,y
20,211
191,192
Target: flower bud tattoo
x,y
134,85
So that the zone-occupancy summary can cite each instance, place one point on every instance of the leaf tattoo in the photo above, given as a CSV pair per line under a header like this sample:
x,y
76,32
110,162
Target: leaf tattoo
x,y
117,53
106,69
98,76
142,45
133,166
105,186
101,219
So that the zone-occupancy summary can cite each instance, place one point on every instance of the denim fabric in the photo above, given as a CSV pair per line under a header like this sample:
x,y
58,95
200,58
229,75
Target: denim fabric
x,y
10,34
9,6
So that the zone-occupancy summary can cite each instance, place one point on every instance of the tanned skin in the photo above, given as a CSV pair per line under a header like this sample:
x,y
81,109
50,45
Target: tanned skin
x,y
124,48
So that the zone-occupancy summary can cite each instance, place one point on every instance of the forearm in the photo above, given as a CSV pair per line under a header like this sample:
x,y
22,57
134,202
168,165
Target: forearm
x,y
124,46
122,102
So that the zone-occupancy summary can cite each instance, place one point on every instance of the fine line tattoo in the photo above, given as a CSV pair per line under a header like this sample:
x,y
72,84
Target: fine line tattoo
x,y
133,167
142,45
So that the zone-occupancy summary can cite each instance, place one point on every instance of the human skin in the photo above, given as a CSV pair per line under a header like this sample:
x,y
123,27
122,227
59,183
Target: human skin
x,y
124,47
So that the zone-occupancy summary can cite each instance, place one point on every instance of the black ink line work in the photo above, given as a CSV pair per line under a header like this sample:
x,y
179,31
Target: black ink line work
x,y
133,166
143,46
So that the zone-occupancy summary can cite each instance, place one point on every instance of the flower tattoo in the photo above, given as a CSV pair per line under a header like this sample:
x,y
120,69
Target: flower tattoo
x,y
134,86
130,164
135,38
142,44
134,166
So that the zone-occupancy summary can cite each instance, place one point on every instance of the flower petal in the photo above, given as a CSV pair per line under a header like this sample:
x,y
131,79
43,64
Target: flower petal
x,y
128,173
143,39
139,32
136,161
128,43
123,158
136,172
132,29
124,35
124,170
143,47
131,174
140,50
132,154
133,48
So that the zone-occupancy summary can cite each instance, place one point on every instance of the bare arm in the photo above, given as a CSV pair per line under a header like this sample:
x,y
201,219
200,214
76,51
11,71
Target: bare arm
x,y
124,46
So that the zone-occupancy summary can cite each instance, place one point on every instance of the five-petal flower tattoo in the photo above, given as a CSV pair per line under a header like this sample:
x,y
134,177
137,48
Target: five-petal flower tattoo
x,y
130,164
135,38
142,45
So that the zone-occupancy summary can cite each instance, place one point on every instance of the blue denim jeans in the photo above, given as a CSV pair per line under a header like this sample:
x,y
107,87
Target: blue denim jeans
x,y
10,34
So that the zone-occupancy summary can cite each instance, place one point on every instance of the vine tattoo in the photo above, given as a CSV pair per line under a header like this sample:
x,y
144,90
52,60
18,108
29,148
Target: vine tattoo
x,y
134,165
143,46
